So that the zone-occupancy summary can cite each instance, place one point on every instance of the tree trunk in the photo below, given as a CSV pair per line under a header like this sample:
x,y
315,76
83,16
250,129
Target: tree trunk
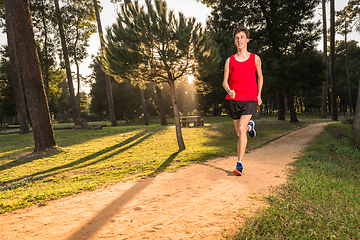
x,y
15,72
325,85
356,123
67,65
179,137
161,105
324,99
213,109
290,101
78,84
77,72
107,77
46,56
281,106
31,72
347,73
332,61
144,106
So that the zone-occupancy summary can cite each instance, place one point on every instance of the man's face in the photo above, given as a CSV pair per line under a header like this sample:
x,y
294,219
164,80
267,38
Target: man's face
x,y
241,40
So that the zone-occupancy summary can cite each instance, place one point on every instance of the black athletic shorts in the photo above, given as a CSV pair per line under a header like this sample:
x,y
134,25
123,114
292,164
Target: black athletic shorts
x,y
238,108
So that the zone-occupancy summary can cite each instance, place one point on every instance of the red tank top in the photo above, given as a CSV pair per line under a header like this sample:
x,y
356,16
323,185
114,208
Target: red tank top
x,y
242,79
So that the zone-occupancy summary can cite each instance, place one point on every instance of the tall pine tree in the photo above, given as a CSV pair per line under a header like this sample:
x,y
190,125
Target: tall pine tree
x,y
157,42
31,72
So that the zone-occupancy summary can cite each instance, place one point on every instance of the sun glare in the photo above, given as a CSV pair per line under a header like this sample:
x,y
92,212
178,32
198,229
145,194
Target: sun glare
x,y
190,79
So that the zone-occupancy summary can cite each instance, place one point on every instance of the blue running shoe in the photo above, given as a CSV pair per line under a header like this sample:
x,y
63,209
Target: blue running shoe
x,y
252,132
239,168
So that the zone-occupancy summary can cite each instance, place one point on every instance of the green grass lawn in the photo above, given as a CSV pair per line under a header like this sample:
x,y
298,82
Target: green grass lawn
x,y
89,159
321,199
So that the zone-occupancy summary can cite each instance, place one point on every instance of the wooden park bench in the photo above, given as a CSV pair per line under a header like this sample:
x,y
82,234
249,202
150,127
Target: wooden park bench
x,y
186,123
196,120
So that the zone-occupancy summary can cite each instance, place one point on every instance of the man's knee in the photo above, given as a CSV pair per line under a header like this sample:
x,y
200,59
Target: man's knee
x,y
242,130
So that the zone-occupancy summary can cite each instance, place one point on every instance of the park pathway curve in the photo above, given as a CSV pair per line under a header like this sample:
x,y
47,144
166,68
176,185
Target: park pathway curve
x,y
201,201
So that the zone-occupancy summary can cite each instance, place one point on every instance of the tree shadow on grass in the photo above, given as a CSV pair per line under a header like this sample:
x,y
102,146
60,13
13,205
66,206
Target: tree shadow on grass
x,y
64,139
96,223
29,157
137,139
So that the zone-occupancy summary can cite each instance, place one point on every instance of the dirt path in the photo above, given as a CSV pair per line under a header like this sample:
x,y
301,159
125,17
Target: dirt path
x,y
200,201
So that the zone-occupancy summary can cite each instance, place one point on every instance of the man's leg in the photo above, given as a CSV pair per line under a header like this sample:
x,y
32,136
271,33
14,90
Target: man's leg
x,y
241,127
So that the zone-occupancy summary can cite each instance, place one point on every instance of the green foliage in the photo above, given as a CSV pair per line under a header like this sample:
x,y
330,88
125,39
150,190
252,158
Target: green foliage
x,y
207,2
7,101
209,73
45,35
7,98
321,198
354,72
126,96
154,43
64,102
78,17
354,5
348,18
83,102
306,81
56,93
79,24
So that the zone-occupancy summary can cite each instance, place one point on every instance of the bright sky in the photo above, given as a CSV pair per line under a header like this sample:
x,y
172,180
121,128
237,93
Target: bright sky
x,y
190,8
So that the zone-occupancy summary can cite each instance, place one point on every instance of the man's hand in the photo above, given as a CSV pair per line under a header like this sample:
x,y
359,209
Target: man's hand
x,y
232,93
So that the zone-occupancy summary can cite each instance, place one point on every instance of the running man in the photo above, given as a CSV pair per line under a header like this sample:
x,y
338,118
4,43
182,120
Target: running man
x,y
243,91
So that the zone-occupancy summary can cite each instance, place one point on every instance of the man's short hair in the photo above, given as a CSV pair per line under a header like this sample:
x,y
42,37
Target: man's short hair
x,y
241,29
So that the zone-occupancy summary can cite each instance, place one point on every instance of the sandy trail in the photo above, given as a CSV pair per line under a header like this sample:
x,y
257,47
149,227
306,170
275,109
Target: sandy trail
x,y
201,201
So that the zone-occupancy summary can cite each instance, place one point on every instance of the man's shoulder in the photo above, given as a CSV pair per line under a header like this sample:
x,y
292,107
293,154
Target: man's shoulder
x,y
228,59
256,57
